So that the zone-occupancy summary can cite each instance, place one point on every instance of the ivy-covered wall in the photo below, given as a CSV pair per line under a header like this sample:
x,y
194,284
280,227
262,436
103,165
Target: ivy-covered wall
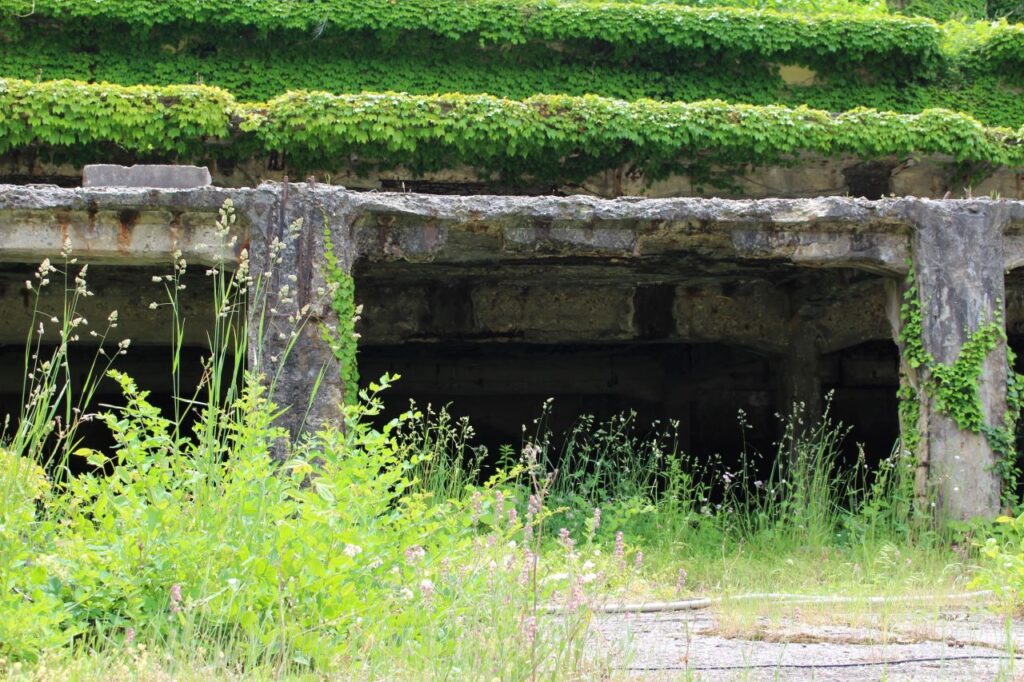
x,y
543,137
464,68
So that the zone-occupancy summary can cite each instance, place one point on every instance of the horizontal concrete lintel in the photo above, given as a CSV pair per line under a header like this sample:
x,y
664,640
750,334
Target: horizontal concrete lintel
x,y
131,226
818,232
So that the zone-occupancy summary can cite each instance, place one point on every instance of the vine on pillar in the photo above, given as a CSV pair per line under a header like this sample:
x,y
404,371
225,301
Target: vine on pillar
x,y
954,387
344,340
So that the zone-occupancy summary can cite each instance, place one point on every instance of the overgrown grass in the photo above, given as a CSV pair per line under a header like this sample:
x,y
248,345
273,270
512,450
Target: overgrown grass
x,y
389,552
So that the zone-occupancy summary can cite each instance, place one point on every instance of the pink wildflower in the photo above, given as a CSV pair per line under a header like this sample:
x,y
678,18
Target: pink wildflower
x,y
414,554
528,561
426,588
638,560
530,629
477,502
499,505
513,516
533,506
175,598
129,636
576,596
566,539
620,545
597,518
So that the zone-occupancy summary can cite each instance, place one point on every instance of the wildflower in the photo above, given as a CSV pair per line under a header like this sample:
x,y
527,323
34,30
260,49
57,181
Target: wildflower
x,y
529,629
638,561
513,516
597,519
566,539
533,506
499,505
175,598
680,580
528,561
414,554
620,545
530,453
407,593
576,597
426,588
129,636
352,550
477,503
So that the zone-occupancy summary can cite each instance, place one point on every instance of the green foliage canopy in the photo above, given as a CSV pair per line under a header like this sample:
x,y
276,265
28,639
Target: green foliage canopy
x,y
542,136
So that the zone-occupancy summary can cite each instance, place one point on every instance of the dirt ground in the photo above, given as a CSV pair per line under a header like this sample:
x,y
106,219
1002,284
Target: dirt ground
x,y
769,642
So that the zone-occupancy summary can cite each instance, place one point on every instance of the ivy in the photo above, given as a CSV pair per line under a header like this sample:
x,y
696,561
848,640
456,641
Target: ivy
x,y
547,137
171,119
628,27
1003,50
258,70
344,340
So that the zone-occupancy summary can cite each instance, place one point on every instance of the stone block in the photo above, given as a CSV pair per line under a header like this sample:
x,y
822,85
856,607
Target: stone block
x,y
158,176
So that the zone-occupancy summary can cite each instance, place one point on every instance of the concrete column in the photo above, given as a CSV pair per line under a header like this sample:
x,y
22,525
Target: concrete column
x,y
292,305
801,375
958,259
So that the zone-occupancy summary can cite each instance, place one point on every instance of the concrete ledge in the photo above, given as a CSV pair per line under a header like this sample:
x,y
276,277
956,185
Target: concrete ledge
x,y
107,223
160,176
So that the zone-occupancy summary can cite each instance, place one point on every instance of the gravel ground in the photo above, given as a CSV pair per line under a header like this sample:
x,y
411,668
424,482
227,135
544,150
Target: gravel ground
x,y
709,645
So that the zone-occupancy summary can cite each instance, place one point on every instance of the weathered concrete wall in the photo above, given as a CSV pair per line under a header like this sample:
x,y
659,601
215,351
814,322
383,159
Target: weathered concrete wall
x,y
795,279
808,176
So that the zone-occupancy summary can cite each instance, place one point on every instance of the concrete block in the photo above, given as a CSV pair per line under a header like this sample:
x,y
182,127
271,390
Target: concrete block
x,y
159,176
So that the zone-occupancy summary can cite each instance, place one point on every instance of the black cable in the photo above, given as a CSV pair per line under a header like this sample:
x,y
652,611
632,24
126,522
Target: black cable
x,y
810,666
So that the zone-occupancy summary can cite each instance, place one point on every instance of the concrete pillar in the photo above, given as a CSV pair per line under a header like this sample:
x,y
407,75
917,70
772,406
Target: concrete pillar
x,y
958,260
801,374
291,305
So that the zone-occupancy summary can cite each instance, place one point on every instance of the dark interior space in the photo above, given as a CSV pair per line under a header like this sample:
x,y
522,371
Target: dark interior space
x,y
502,387
150,367
130,291
862,381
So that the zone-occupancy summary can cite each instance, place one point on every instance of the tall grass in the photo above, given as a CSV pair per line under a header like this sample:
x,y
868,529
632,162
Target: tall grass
x,y
231,550
801,498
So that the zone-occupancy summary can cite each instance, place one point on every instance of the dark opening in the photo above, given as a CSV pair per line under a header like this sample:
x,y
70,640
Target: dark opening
x,y
863,381
502,388
870,179
130,290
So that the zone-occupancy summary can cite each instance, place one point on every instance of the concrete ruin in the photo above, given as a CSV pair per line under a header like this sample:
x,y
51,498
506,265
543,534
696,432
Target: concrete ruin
x,y
689,306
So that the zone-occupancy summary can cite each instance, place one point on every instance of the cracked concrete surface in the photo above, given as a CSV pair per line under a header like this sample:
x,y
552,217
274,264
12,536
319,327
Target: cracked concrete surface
x,y
952,644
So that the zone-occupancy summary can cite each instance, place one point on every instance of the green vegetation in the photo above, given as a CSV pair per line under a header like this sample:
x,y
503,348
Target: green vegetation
x,y
544,136
258,73
628,28
277,57
377,549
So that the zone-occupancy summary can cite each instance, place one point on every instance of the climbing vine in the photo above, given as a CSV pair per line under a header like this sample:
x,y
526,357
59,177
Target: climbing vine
x,y
344,340
818,39
261,69
546,136
954,387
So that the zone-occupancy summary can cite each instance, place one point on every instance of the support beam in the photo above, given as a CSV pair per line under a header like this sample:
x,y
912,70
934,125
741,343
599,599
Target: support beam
x,y
291,315
958,258
801,374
